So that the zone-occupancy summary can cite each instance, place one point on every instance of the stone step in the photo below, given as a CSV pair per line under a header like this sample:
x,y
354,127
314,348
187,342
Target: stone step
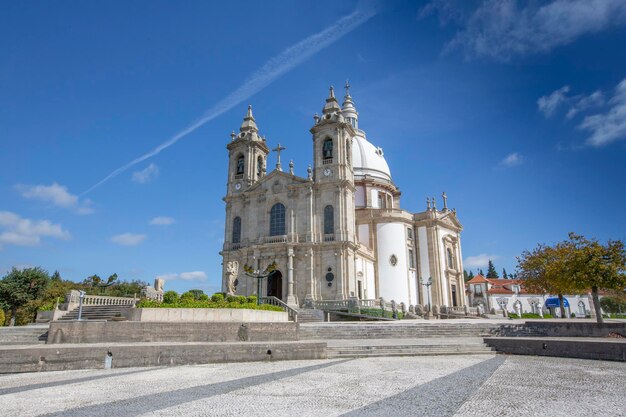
x,y
23,335
422,350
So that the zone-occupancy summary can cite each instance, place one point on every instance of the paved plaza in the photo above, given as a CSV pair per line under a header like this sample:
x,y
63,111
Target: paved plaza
x,y
469,385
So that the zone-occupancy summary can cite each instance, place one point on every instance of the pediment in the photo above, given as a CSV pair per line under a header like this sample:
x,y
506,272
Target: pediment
x,y
276,181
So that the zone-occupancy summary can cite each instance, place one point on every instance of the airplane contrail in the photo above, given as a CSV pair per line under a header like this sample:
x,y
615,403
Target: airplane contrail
x,y
274,68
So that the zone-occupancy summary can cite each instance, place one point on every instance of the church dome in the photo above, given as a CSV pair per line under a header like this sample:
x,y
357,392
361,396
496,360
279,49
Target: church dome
x,y
368,160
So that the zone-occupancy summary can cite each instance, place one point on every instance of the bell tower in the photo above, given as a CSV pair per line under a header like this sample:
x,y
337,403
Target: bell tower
x,y
247,156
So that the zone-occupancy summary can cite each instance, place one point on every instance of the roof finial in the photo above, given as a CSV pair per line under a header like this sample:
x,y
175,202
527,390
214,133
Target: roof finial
x,y
434,204
332,92
291,167
427,203
278,149
445,201
232,135
347,87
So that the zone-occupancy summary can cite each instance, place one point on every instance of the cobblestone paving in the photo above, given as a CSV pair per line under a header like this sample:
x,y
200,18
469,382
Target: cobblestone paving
x,y
469,385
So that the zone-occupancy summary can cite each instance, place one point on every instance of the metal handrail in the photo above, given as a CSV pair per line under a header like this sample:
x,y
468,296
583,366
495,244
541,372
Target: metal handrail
x,y
292,312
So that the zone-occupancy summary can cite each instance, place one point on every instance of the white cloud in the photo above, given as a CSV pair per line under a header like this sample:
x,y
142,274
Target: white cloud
x,y
56,194
501,29
25,232
609,126
185,276
479,261
583,103
512,160
550,103
128,239
162,221
146,175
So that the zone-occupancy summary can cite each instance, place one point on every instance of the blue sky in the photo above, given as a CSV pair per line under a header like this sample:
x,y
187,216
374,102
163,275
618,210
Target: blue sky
x,y
515,109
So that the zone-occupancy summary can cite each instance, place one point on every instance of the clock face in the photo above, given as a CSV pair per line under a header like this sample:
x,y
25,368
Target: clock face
x,y
238,186
327,172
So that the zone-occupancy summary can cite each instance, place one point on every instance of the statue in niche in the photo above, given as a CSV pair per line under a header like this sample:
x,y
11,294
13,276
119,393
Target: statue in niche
x,y
232,269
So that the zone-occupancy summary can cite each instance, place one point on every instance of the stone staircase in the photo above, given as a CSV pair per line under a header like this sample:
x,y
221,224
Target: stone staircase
x,y
96,312
407,347
310,316
393,330
24,335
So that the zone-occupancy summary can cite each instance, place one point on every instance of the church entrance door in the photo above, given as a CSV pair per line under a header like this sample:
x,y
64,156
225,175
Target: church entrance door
x,y
275,284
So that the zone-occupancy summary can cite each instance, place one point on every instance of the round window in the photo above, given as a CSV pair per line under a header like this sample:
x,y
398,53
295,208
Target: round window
x,y
330,276
393,260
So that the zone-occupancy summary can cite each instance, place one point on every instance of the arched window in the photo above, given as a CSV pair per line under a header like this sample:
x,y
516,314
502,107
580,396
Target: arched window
x,y
329,220
259,166
450,259
237,230
327,149
240,164
277,220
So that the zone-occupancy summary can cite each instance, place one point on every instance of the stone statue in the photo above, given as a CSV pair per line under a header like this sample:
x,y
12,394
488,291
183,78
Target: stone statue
x,y
232,269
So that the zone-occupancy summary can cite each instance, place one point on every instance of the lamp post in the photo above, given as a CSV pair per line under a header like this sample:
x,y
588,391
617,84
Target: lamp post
x,y
427,284
81,295
255,273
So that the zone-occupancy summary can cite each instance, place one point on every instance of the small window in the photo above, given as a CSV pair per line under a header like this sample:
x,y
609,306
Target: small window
x,y
450,259
329,220
327,149
237,230
277,220
411,260
240,163
259,166
478,289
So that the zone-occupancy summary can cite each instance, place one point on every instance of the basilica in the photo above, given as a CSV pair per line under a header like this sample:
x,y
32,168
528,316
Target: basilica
x,y
338,233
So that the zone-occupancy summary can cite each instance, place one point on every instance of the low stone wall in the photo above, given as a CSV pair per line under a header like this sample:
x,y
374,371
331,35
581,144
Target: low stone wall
x,y
62,358
576,329
187,315
603,349
94,331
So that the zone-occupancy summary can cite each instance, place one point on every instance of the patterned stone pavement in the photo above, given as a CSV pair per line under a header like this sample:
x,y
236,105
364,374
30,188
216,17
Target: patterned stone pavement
x,y
469,385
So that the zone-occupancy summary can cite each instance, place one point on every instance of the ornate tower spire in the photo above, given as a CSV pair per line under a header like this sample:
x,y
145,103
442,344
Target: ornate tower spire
x,y
249,124
331,106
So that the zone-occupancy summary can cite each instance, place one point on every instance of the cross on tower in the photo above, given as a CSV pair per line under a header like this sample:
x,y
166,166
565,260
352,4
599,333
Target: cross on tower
x,y
347,87
445,200
278,149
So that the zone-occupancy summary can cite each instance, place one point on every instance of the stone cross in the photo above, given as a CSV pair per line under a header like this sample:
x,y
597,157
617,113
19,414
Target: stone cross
x,y
347,87
445,200
428,203
278,149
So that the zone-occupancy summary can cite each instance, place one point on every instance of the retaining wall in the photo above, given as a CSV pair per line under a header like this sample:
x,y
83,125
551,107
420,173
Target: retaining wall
x,y
604,349
576,329
94,331
188,315
68,357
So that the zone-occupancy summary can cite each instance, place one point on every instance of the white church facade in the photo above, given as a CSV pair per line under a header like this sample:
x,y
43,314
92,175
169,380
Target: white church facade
x,y
338,233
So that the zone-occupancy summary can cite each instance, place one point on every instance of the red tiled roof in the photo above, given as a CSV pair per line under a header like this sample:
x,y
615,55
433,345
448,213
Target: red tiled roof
x,y
478,279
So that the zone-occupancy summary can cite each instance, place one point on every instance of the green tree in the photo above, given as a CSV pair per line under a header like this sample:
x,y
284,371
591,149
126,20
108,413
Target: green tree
x,y
504,275
56,276
465,276
491,270
480,271
196,294
545,271
19,287
471,275
170,297
595,266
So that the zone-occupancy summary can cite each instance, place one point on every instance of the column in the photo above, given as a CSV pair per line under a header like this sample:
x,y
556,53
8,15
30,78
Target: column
x,y
291,299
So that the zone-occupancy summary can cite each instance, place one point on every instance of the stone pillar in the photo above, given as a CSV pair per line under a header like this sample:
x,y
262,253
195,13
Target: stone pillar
x,y
291,299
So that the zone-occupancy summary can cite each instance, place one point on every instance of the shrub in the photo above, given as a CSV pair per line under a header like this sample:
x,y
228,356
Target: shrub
x,y
217,297
241,299
251,299
2,317
170,297
231,298
203,297
187,296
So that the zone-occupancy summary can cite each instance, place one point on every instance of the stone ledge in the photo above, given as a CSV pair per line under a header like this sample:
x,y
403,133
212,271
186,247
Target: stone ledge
x,y
92,356
580,348
94,331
